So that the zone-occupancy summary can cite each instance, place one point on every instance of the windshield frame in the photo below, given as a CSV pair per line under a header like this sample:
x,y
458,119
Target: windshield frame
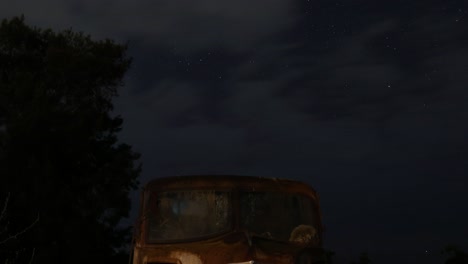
x,y
229,183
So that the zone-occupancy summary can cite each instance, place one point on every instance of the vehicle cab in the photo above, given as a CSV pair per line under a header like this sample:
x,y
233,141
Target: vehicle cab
x,y
228,219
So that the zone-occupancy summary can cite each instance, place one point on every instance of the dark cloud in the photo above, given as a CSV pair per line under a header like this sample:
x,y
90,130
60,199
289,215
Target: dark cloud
x,y
185,25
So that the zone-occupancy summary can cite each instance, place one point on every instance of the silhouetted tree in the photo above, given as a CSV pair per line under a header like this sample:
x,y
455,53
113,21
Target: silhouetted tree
x,y
363,259
457,256
329,256
59,154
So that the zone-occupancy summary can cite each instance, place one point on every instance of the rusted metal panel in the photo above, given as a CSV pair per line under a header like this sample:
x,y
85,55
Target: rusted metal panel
x,y
238,242
230,182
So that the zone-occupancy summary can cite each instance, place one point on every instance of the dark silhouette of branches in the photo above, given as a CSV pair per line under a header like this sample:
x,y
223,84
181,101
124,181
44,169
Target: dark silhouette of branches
x,y
363,259
60,157
8,253
456,255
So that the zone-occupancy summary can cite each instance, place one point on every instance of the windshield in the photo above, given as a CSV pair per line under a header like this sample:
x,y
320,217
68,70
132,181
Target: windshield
x,y
180,215
280,216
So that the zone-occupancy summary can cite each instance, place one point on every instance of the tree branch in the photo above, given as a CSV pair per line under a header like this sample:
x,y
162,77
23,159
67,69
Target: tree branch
x,y
5,205
20,232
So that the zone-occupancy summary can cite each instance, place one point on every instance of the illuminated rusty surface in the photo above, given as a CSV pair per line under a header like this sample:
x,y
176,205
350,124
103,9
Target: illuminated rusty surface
x,y
237,245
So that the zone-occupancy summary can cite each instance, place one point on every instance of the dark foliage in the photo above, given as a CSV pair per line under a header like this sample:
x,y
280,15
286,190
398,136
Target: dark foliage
x,y
59,155
329,256
456,255
363,259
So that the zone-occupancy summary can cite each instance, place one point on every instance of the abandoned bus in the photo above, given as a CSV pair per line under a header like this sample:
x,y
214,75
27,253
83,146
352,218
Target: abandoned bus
x,y
228,219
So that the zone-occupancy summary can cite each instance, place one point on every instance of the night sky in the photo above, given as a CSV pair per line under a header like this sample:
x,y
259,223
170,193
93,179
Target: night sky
x,y
364,100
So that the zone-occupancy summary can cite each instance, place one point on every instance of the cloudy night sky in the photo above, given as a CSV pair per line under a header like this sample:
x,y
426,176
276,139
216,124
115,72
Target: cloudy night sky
x,y
366,101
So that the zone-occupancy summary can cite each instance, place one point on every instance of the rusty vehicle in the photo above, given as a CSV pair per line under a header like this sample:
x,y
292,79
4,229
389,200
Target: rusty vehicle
x,y
228,219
